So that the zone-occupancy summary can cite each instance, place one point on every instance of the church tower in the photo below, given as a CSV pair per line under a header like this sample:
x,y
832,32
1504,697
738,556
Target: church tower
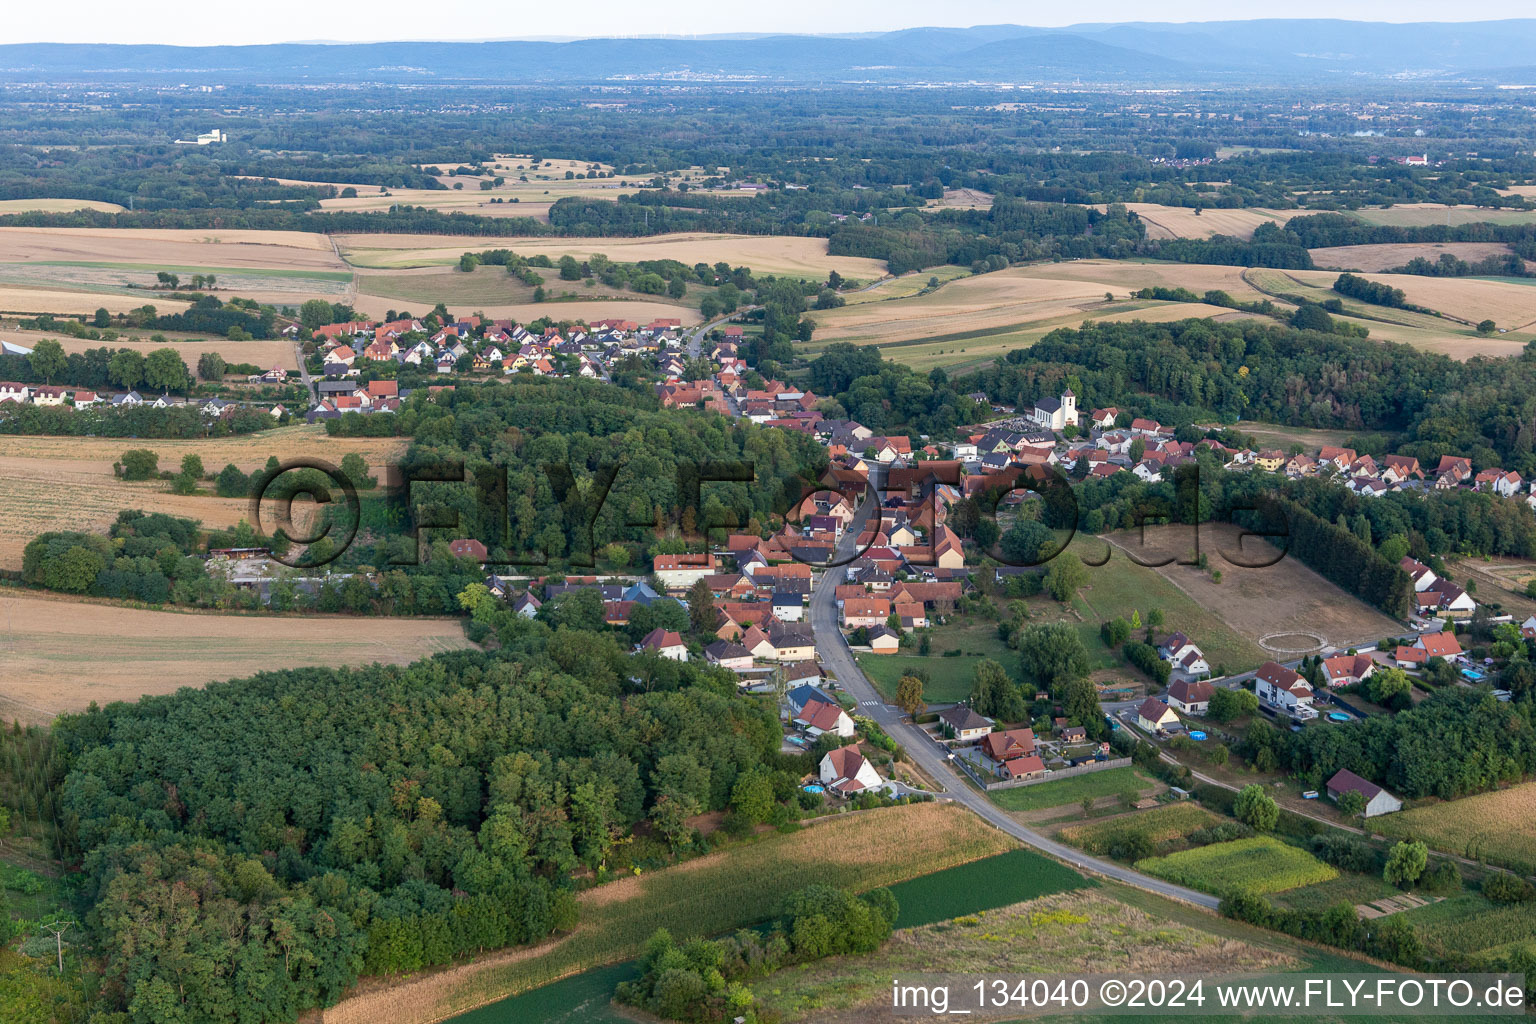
x,y
1069,408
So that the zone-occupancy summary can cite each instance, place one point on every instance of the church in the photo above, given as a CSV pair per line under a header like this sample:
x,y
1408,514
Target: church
x,y
1054,414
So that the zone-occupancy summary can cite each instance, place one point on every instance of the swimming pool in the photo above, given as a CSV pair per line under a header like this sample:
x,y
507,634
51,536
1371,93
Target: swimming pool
x,y
1337,716
1196,734
815,789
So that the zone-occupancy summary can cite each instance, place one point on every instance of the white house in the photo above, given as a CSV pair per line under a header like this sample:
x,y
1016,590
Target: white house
x,y
666,644
1282,688
1155,716
1377,800
845,771
963,724
682,571
818,718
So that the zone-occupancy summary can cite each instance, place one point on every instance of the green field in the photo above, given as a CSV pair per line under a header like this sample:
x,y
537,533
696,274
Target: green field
x,y
1262,864
998,881
312,275
1165,823
948,679
1062,792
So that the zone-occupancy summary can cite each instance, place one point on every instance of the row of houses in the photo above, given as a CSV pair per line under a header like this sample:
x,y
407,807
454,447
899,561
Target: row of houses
x,y
51,396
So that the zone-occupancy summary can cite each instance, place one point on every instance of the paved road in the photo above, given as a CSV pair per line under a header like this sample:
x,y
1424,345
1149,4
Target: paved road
x,y
931,757
692,341
309,382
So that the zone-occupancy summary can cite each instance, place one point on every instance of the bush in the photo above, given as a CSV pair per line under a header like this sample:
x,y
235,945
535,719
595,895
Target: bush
x,y
1346,852
139,464
1503,887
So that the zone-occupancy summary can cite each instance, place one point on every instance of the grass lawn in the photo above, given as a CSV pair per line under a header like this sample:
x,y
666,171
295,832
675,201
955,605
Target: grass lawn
x,y
998,881
1110,782
1263,864
948,679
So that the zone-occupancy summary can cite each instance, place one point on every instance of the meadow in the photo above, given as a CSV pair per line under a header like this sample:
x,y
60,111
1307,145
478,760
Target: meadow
x,y
1261,864
491,290
61,654
1417,215
1072,790
948,678
716,893
1078,932
972,319
1165,823
1498,827
1183,222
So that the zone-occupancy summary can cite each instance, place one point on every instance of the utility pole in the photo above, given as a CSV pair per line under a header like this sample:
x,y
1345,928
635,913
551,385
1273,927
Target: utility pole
x,y
57,930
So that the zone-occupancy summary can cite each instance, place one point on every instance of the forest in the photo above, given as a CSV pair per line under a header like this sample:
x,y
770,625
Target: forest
x,y
1482,408
374,821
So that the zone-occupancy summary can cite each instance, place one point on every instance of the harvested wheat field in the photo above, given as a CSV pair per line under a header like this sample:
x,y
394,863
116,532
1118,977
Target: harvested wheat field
x,y
63,494
9,206
1507,303
1020,298
171,248
62,654
706,896
265,354
30,300
1181,221
66,483
642,310
765,254
1265,599
1377,258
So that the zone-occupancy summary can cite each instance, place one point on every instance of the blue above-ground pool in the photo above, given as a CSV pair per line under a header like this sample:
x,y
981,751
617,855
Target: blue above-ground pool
x,y
1337,716
1472,674
1196,734
815,789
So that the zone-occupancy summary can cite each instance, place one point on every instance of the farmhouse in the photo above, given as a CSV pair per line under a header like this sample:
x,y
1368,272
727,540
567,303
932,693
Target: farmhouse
x,y
963,724
845,771
1377,800
1156,717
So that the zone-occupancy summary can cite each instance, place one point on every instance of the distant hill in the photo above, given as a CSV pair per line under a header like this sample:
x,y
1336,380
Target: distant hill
x,y
1219,50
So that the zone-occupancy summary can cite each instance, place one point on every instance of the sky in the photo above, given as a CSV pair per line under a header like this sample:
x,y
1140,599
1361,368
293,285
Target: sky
x,y
276,21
